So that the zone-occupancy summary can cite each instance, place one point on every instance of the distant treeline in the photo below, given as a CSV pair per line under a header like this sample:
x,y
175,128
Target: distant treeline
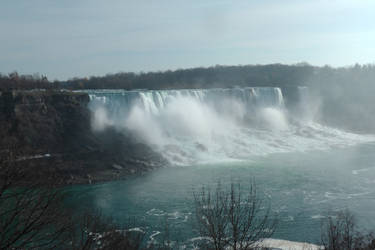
x,y
218,76
228,76
25,82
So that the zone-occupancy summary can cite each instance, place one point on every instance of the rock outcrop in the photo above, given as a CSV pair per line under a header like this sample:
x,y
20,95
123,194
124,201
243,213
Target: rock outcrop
x,y
51,132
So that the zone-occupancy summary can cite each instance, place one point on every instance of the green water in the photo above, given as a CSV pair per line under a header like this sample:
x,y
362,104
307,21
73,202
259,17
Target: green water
x,y
301,188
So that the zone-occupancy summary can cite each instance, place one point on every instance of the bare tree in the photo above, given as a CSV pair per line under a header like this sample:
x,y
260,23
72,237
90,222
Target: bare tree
x,y
33,216
340,232
228,218
93,231
30,215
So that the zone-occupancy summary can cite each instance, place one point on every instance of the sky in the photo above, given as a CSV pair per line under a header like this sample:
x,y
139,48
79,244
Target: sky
x,y
79,38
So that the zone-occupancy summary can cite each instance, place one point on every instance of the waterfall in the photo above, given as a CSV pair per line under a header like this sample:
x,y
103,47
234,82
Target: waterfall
x,y
206,125
153,101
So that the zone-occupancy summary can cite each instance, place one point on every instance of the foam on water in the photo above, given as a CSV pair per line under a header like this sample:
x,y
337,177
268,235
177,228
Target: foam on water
x,y
198,126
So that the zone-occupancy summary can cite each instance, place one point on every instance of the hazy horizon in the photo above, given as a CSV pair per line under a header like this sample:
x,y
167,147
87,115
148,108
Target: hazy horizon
x,y
67,39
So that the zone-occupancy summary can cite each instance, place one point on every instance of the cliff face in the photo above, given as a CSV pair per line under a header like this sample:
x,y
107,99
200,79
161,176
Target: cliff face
x,y
42,122
52,135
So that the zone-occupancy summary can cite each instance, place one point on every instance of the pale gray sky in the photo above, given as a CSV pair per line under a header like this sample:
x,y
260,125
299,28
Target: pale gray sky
x,y
63,39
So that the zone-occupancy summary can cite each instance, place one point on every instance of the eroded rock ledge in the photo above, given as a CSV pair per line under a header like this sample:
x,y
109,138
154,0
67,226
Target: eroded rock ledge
x,y
51,133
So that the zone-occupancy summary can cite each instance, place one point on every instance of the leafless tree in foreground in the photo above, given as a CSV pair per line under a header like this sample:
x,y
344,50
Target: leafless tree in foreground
x,y
340,232
93,231
30,215
232,219
33,216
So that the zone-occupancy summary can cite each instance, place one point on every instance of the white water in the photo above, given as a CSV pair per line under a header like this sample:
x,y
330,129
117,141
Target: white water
x,y
197,126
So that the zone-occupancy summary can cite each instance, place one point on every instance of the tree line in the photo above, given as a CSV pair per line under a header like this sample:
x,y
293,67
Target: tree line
x,y
206,77
211,77
278,75
25,82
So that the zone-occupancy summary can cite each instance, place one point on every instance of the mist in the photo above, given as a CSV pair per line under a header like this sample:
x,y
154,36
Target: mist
x,y
192,126
345,97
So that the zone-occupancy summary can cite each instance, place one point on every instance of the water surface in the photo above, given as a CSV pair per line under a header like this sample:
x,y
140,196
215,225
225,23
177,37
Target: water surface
x,y
301,187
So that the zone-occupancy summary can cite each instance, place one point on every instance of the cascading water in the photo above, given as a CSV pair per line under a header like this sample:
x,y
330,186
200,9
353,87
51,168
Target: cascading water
x,y
205,125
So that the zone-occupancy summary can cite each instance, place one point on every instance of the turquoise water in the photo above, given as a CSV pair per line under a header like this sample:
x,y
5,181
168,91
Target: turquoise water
x,y
302,188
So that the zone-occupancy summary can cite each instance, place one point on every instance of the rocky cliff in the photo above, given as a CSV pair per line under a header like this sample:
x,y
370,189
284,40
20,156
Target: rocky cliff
x,y
51,133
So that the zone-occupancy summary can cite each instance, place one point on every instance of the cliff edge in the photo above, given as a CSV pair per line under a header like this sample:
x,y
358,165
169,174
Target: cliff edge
x,y
51,133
